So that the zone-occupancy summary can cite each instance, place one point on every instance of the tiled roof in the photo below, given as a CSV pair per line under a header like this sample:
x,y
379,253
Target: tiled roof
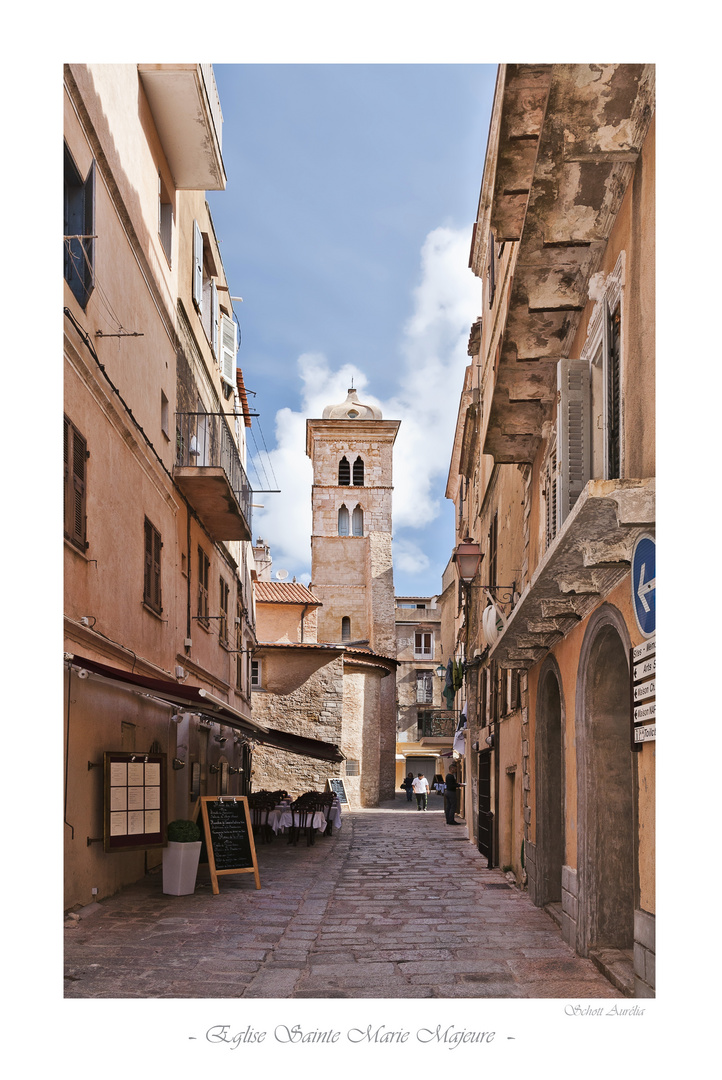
x,y
284,592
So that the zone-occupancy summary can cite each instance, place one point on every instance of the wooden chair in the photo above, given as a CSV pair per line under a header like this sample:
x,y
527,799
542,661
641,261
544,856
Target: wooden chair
x,y
302,812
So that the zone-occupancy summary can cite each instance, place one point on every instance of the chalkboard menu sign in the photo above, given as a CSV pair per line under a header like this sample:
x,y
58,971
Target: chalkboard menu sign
x,y
336,785
229,837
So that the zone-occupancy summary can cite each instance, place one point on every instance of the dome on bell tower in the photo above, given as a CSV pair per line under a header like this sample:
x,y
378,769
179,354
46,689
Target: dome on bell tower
x,y
352,409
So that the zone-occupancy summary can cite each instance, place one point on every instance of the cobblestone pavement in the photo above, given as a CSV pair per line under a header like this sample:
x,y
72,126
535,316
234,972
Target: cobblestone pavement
x,y
396,904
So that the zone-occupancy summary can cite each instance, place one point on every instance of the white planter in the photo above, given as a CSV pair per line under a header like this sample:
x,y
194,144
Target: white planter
x,y
180,866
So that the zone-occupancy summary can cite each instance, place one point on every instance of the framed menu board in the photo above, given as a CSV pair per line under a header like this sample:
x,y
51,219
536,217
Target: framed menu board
x,y
134,801
337,786
229,837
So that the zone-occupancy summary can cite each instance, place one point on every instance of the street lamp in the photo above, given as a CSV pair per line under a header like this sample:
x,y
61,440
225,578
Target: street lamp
x,y
468,558
441,671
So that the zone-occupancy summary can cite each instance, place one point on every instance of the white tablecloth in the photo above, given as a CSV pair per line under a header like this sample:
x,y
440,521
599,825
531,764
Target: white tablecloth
x,y
284,819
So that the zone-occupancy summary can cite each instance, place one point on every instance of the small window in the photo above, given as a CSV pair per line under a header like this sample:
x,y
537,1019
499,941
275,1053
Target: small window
x,y
204,567
151,576
79,229
358,472
165,218
164,415
357,522
256,674
352,767
344,472
424,644
74,496
343,521
345,628
223,621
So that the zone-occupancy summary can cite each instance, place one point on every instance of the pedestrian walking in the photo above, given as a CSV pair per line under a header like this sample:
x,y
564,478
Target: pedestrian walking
x,y
408,786
421,791
450,796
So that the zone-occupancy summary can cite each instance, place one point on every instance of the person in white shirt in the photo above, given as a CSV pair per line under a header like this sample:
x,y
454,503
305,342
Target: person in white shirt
x,y
421,791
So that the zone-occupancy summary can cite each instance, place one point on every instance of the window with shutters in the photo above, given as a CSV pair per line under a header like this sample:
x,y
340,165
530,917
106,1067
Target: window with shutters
x,y
151,576
357,521
74,491
79,229
343,521
224,591
424,644
344,472
602,352
256,675
204,567
358,472
205,294
424,688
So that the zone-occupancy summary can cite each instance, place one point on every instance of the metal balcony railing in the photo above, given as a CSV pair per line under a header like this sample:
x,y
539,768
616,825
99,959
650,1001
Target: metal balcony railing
x,y
437,725
203,440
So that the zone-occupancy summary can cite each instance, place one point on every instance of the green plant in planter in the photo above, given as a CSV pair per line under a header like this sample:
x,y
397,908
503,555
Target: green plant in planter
x,y
183,832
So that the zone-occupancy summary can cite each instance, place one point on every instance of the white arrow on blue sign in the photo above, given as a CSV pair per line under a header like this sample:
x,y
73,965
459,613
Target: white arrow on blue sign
x,y
644,584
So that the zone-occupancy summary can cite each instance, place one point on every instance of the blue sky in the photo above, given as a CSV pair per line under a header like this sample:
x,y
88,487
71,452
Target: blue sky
x,y
345,226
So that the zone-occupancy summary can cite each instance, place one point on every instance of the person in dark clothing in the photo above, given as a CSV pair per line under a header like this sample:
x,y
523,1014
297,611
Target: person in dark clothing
x,y
450,797
408,785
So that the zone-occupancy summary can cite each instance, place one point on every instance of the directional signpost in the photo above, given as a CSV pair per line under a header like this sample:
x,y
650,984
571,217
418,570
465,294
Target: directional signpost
x,y
643,658
644,584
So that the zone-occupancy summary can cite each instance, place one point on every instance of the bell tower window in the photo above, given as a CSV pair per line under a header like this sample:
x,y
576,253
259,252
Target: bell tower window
x,y
358,472
344,472
343,521
357,521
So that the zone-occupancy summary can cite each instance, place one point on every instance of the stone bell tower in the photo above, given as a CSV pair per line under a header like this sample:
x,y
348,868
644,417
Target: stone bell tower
x,y
351,449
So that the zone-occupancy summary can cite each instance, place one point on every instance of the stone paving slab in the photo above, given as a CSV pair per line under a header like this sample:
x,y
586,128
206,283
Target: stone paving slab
x,y
341,919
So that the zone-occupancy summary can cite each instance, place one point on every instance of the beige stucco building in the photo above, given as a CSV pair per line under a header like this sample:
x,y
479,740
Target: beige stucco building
x,y
552,475
158,611
425,721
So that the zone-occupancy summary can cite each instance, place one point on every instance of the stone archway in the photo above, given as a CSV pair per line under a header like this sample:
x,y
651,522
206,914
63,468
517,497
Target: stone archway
x,y
549,785
605,787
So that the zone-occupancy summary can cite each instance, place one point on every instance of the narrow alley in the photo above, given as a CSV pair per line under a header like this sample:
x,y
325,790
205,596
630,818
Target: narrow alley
x,y
394,905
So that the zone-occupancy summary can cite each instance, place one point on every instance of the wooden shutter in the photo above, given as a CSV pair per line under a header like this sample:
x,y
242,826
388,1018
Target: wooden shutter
x,y
492,270
358,472
612,397
229,348
75,454
573,432
197,267
214,319
550,497
151,579
344,472
357,521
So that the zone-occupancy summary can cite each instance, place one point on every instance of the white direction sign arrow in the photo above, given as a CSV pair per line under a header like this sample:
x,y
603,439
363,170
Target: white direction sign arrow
x,y
645,587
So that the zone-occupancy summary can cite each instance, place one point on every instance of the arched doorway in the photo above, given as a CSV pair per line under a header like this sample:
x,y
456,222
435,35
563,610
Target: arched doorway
x,y
605,787
549,786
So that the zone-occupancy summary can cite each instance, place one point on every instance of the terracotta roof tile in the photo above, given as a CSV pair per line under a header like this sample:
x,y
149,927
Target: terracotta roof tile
x,y
284,592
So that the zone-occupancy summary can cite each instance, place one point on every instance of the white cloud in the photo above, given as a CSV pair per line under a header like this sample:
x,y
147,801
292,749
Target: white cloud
x,y
430,375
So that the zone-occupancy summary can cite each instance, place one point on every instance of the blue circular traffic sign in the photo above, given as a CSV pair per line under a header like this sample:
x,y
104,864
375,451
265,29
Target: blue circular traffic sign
x,y
644,585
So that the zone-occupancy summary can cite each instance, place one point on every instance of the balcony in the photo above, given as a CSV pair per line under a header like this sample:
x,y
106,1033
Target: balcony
x,y
187,112
208,471
589,557
567,147
437,725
